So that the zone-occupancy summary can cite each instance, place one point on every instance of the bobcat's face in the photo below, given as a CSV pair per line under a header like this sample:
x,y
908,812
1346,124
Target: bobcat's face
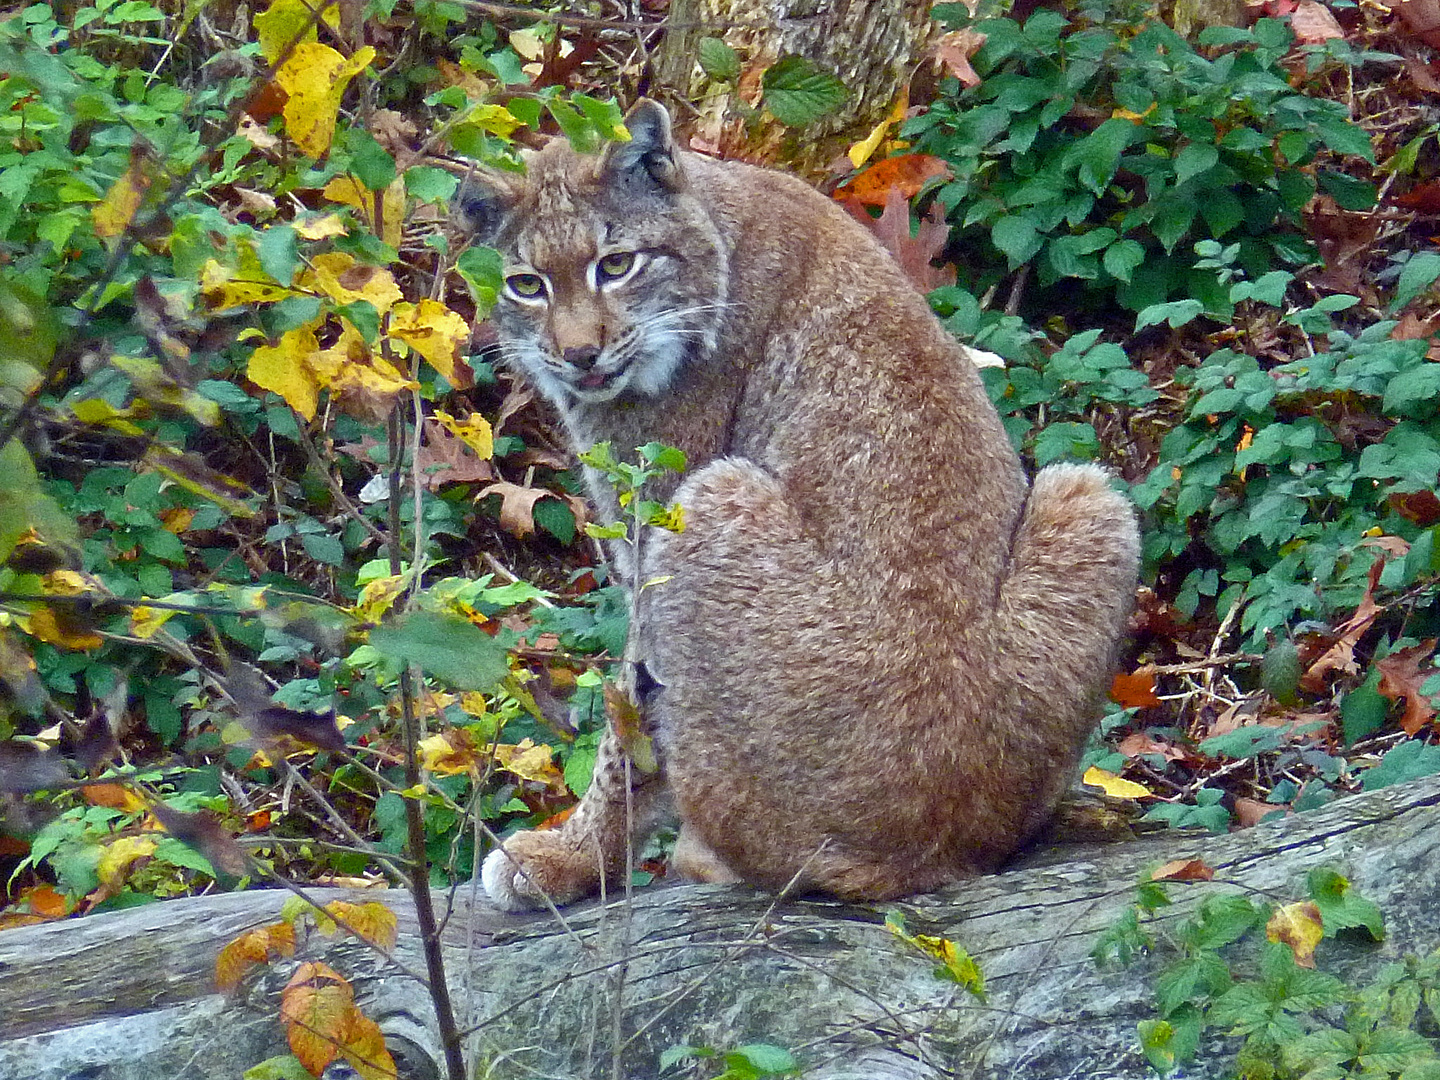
x,y
614,276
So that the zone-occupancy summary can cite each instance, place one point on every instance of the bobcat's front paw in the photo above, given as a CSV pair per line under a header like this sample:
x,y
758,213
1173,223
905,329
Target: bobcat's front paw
x,y
554,865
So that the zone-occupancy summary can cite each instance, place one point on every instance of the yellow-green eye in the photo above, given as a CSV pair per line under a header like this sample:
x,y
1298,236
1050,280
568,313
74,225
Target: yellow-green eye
x,y
615,265
526,286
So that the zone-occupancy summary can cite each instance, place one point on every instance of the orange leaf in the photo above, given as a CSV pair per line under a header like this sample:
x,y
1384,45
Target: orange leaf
x,y
46,902
364,1048
1134,691
317,1008
907,172
258,946
1183,870
1341,655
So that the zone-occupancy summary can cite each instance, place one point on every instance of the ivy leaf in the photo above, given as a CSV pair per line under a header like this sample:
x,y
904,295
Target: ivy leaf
x,y
799,92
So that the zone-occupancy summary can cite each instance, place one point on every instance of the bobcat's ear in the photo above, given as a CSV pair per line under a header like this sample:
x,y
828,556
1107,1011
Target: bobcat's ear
x,y
481,204
648,161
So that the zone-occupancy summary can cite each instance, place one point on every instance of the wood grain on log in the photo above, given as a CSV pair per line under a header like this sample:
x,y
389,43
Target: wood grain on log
x,y
126,995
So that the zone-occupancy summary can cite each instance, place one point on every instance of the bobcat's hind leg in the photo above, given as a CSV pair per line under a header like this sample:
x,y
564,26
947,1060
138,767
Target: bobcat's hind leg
x,y
569,862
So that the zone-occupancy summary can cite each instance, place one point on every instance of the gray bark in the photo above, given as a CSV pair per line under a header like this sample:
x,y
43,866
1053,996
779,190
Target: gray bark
x,y
127,995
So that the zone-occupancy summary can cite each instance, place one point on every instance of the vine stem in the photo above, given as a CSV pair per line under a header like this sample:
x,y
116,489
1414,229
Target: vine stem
x,y
414,811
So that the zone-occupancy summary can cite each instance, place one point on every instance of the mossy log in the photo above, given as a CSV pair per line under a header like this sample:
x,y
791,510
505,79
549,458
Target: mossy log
x,y
128,995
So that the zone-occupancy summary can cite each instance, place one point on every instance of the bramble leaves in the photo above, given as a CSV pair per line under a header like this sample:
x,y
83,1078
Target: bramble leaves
x,y
798,92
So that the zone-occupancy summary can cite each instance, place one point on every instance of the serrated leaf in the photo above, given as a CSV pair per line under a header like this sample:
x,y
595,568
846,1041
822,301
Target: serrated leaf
x,y
316,76
718,60
799,92
447,646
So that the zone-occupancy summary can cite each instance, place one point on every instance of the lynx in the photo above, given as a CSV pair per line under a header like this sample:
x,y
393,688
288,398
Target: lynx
x,y
874,651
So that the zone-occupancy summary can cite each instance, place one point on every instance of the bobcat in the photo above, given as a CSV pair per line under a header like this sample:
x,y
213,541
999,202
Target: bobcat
x,y
875,651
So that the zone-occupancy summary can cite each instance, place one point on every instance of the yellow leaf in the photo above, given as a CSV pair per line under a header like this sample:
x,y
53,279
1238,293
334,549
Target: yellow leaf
x,y
341,278
285,369
1300,927
862,151
474,431
320,226
279,24
378,596
528,761
64,583
350,192
145,622
113,214
46,625
116,860
495,119
372,921
100,411
315,77
436,333
1126,114
440,755
1114,786
228,287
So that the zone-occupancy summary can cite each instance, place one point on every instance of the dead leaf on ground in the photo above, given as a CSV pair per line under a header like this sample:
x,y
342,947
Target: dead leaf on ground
x,y
1340,657
1421,507
1140,744
1115,787
1402,674
1183,870
1135,690
955,49
1423,75
517,505
1313,24
913,253
1250,812
1421,18
446,459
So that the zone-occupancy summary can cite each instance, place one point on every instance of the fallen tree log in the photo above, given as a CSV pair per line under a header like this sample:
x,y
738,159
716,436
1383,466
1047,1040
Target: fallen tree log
x,y
127,995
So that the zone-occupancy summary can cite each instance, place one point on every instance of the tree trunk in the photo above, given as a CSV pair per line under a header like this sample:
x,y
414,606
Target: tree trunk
x,y
126,995
870,45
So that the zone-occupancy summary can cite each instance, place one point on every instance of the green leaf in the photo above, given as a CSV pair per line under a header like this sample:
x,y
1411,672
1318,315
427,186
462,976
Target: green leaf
x,y
1122,257
446,646
432,185
287,1067
1362,713
798,92
1017,239
1341,907
1418,274
278,251
483,270
765,1059
1177,313
1194,159
663,457
718,60
370,162
1419,384
1098,154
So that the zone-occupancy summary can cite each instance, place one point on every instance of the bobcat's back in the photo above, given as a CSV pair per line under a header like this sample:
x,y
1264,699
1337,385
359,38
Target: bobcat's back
x,y
877,659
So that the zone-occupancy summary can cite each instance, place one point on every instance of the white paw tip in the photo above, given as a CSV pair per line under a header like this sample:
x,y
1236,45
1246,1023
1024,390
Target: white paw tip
x,y
500,877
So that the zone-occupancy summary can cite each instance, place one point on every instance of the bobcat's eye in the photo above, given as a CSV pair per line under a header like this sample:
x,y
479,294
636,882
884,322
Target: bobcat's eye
x,y
526,286
615,265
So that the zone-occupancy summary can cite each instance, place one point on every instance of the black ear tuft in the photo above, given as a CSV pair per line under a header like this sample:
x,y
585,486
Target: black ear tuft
x,y
648,161
480,206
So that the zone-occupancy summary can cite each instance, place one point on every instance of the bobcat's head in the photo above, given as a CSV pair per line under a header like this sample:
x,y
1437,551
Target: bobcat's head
x,y
615,275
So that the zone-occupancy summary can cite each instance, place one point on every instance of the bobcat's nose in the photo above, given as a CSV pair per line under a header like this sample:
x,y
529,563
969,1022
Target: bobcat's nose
x,y
582,356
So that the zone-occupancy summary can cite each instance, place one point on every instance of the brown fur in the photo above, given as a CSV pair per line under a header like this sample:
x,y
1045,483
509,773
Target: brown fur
x,y
878,651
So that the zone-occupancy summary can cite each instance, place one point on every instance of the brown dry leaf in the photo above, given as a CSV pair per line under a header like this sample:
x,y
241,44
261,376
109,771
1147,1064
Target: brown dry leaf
x,y
907,173
445,459
1250,812
206,833
1402,674
392,130
372,921
258,946
913,253
624,718
1423,75
517,505
1135,690
1421,507
1313,24
45,901
316,1008
1340,657
955,49
1183,870
1300,927
1139,743
252,126
258,203
1421,18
